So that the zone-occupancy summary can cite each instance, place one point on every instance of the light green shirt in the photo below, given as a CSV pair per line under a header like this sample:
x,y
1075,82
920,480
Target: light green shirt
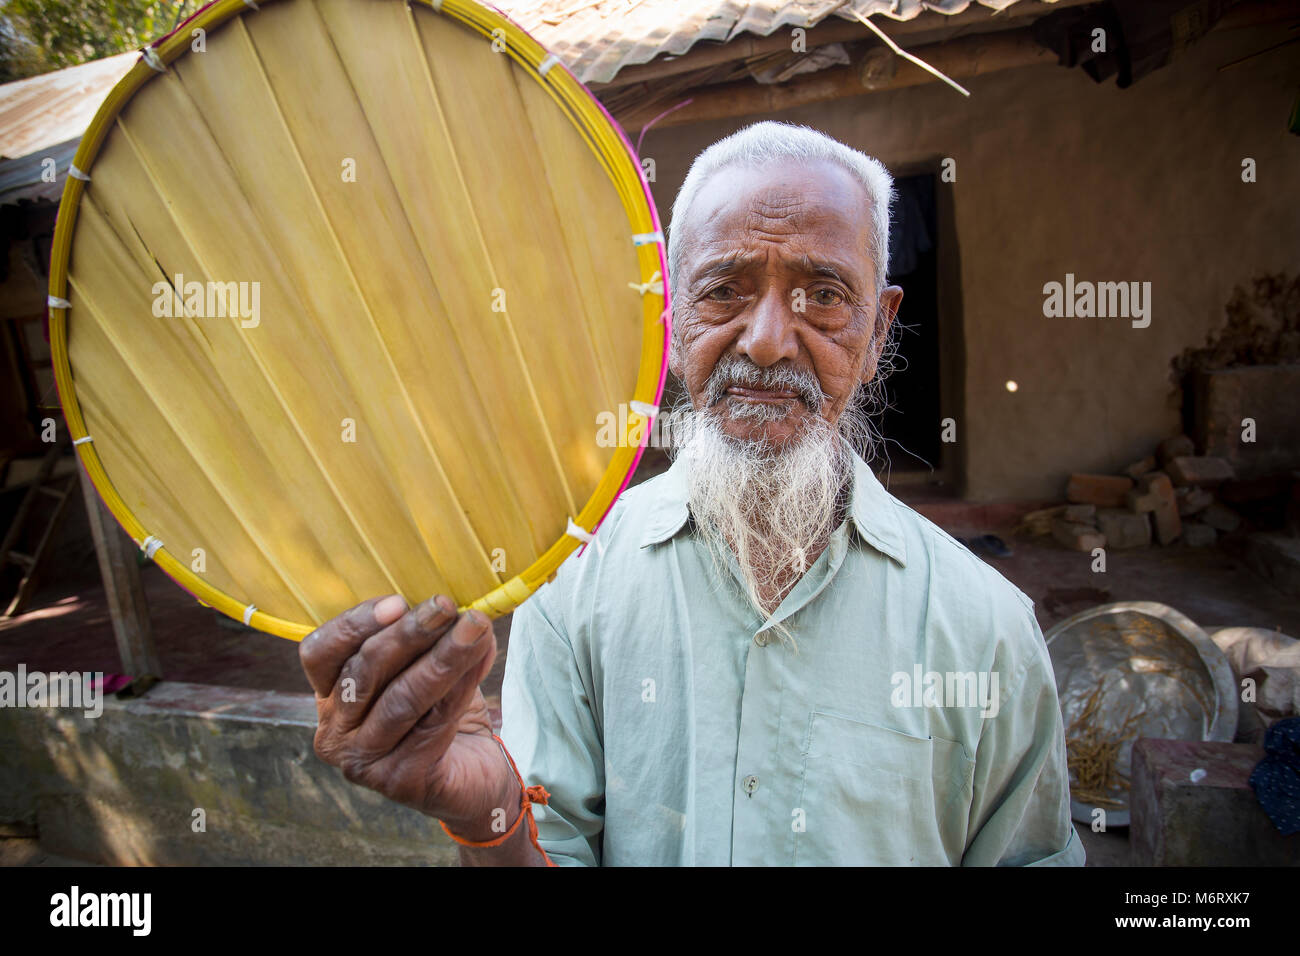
x,y
672,726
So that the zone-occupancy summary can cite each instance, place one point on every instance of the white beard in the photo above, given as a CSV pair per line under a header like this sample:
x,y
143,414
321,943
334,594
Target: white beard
x,y
774,508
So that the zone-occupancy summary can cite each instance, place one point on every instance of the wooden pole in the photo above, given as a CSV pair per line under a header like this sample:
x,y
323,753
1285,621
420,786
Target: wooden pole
x,y
132,628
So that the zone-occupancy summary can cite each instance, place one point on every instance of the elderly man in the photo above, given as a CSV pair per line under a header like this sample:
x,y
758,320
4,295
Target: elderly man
x,y
770,660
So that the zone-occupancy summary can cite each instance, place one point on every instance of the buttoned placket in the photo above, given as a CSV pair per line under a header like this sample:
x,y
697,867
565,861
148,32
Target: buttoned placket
x,y
757,819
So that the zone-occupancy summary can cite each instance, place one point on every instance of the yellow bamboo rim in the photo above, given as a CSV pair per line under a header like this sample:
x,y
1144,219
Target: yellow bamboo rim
x,y
605,141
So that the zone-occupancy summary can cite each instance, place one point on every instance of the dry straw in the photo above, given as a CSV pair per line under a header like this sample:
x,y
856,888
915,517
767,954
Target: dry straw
x,y
1093,755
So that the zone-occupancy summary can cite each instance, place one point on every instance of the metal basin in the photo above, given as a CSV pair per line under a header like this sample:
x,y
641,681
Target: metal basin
x,y
1148,671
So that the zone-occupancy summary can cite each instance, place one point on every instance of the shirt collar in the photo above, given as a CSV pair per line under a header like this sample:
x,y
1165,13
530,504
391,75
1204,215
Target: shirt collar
x,y
873,510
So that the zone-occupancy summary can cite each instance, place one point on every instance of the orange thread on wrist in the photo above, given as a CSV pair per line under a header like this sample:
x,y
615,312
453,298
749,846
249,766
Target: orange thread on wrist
x,y
527,797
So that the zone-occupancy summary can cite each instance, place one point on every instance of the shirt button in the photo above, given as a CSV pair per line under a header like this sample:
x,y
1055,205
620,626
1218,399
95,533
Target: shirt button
x,y
750,784
761,639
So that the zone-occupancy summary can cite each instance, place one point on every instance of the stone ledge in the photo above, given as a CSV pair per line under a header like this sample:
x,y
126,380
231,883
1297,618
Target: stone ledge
x,y
122,788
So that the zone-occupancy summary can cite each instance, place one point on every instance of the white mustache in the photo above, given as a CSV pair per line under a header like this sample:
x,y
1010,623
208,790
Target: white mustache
x,y
734,370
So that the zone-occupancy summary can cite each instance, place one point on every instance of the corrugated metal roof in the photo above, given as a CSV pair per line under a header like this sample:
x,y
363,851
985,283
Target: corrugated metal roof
x,y
597,38
43,117
26,176
41,111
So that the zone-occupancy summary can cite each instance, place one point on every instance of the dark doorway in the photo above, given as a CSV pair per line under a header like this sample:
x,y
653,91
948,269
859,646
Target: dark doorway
x,y
910,426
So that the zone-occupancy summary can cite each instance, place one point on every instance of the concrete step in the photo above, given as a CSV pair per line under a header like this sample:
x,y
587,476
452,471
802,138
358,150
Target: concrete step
x,y
123,788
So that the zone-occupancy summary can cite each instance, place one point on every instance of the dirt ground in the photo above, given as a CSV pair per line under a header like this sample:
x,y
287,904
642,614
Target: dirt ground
x,y
68,626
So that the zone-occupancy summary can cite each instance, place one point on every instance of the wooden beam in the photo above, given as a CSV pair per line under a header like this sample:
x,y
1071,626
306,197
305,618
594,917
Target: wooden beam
x,y
132,629
965,57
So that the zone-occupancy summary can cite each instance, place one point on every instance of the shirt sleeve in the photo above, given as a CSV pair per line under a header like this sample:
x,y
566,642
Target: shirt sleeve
x,y
1020,809
548,727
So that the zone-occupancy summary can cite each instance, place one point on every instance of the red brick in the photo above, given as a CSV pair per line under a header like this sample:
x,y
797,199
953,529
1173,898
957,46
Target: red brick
x,y
1193,500
1080,514
1175,447
1104,491
1123,529
1199,472
1140,468
1155,494
1077,537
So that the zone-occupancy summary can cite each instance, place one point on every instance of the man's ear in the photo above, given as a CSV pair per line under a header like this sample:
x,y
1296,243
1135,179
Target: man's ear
x,y
891,297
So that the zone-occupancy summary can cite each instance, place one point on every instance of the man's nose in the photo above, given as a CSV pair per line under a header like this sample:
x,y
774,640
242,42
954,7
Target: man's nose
x,y
769,333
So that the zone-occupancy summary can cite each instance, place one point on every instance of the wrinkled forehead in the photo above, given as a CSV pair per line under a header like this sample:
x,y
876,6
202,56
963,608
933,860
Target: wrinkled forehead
x,y
795,209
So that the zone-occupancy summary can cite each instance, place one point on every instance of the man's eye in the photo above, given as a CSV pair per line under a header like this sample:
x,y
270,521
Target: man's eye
x,y
723,293
827,297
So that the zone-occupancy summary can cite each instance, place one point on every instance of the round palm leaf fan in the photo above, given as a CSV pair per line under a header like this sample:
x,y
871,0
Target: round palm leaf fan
x,y
340,292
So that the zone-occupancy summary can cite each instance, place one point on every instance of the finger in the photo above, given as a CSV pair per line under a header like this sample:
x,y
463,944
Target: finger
x,y
324,651
457,700
423,747
420,687
443,720
385,655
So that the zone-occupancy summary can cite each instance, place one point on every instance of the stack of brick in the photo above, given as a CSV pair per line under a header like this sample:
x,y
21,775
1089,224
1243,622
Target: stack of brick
x,y
1166,497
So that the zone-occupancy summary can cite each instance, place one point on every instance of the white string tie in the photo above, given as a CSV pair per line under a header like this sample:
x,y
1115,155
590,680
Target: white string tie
x,y
151,57
586,537
655,285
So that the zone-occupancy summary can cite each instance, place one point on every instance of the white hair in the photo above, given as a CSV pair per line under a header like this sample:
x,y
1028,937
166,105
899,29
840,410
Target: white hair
x,y
768,142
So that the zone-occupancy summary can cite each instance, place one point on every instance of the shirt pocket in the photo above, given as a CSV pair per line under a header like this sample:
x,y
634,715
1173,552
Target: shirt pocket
x,y
872,796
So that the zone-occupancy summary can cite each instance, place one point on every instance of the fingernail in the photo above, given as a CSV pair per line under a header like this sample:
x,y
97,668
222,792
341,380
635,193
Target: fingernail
x,y
389,610
446,603
479,625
